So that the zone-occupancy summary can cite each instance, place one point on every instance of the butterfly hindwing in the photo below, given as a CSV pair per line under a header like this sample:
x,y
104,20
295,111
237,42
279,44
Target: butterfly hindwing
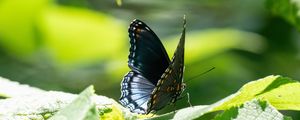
x,y
147,54
135,92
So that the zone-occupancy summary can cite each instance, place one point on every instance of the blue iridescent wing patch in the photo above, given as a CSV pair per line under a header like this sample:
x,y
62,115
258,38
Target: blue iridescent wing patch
x,y
135,92
154,80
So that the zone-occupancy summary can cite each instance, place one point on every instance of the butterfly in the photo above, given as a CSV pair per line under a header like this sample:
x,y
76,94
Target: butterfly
x,y
154,80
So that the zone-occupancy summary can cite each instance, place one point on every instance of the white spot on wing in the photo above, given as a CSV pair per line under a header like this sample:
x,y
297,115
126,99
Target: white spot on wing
x,y
147,28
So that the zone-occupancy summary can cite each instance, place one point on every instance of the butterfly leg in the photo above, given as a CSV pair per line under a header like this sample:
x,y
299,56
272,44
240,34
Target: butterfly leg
x,y
188,98
174,108
153,113
189,101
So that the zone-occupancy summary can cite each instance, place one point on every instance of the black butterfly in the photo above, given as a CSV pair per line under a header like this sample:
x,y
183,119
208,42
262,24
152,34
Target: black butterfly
x,y
154,80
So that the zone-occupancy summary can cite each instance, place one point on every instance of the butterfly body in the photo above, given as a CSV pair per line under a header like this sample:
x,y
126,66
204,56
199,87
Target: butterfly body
x,y
154,80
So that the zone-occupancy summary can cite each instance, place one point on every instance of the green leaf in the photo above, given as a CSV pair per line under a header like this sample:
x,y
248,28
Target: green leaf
x,y
252,110
70,35
82,108
28,102
288,9
18,29
73,35
119,2
287,118
281,92
10,89
228,114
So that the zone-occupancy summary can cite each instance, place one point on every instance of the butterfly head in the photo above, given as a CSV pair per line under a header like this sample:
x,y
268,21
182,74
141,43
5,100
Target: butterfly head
x,y
183,86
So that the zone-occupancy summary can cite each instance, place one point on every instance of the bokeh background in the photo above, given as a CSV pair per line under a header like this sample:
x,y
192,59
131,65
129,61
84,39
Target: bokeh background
x,y
67,45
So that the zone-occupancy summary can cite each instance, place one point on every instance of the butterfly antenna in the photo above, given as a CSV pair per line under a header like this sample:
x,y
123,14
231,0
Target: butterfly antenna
x,y
184,21
194,77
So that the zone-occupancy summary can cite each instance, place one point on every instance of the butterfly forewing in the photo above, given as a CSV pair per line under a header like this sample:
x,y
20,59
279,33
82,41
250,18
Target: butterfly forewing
x,y
147,54
169,87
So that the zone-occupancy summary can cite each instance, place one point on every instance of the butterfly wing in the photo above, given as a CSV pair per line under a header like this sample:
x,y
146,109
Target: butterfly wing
x,y
148,60
147,54
169,87
135,92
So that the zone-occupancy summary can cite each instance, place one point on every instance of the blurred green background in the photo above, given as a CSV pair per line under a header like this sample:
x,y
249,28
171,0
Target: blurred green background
x,y
67,45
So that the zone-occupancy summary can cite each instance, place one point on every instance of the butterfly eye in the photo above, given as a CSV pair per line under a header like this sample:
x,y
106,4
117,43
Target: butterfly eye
x,y
183,86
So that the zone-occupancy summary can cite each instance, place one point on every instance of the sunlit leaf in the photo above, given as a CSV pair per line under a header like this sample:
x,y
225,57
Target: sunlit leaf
x,y
281,92
14,89
119,2
75,35
33,103
251,110
18,35
288,9
82,108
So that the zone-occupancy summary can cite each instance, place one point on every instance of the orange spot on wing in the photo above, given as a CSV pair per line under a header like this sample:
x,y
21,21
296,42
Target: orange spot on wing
x,y
138,30
168,89
154,96
154,102
178,87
